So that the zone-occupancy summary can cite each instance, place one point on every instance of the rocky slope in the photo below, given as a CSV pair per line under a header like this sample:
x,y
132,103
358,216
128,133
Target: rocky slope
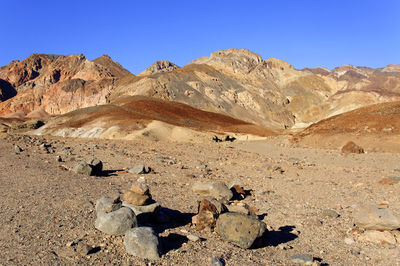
x,y
234,82
376,128
56,83
133,117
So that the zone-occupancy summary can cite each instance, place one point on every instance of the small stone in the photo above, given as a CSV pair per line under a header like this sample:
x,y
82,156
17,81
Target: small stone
x,y
18,149
217,262
349,241
116,222
141,179
208,212
136,199
59,159
238,192
140,188
193,238
305,259
139,169
330,213
97,166
83,168
240,229
217,190
378,237
142,242
351,147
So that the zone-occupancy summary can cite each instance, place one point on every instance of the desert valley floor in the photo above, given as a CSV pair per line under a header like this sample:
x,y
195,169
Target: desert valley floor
x,y
47,212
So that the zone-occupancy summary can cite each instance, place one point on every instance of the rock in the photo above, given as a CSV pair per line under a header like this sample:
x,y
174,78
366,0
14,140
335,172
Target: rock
x,y
238,192
217,190
18,149
106,205
139,188
136,199
370,216
142,242
240,229
139,169
97,166
351,147
304,259
59,159
330,213
217,262
116,222
241,208
83,168
193,238
152,208
377,237
349,241
208,212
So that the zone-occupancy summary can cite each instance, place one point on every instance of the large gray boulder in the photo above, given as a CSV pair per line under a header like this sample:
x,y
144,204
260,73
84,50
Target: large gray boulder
x,y
116,222
216,190
142,242
370,216
240,229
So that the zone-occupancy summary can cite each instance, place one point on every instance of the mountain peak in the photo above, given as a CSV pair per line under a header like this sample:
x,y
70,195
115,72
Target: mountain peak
x,y
160,67
233,59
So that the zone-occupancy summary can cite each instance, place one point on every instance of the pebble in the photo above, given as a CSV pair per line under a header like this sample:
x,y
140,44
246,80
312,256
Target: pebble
x,y
305,259
193,238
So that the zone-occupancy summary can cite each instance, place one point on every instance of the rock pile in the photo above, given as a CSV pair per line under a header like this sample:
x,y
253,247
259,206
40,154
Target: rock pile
x,y
236,223
138,198
115,219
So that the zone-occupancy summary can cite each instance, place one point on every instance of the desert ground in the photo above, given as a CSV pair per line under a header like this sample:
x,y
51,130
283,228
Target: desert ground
x,y
305,196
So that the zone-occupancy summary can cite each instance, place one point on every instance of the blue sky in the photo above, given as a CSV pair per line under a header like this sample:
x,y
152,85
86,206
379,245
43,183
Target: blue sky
x,y
137,33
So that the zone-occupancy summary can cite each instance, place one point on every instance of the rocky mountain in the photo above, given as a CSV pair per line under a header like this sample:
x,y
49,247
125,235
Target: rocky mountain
x,y
56,83
160,67
234,82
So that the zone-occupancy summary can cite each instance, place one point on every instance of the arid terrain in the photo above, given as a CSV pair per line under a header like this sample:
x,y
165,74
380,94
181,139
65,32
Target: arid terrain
x,y
307,159
47,215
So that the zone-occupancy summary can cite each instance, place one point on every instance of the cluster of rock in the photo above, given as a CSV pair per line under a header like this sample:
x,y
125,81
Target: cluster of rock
x,y
377,222
235,222
138,199
114,217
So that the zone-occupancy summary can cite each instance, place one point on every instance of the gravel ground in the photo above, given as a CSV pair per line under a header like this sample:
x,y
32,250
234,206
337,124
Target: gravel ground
x,y
47,212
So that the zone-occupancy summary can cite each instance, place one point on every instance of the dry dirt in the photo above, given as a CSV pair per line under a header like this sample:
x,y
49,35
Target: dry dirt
x,y
45,208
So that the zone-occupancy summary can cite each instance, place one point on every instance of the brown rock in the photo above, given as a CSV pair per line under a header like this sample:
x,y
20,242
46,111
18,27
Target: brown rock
x,y
136,199
208,212
238,192
351,147
139,188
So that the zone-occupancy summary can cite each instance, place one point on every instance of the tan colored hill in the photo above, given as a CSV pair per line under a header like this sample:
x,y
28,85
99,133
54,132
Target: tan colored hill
x,y
375,128
137,116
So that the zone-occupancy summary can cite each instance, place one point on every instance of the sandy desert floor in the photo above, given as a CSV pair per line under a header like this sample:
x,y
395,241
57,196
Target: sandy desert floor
x,y
47,212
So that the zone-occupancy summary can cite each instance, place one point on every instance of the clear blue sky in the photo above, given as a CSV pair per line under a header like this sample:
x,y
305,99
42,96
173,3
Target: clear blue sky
x,y
137,33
